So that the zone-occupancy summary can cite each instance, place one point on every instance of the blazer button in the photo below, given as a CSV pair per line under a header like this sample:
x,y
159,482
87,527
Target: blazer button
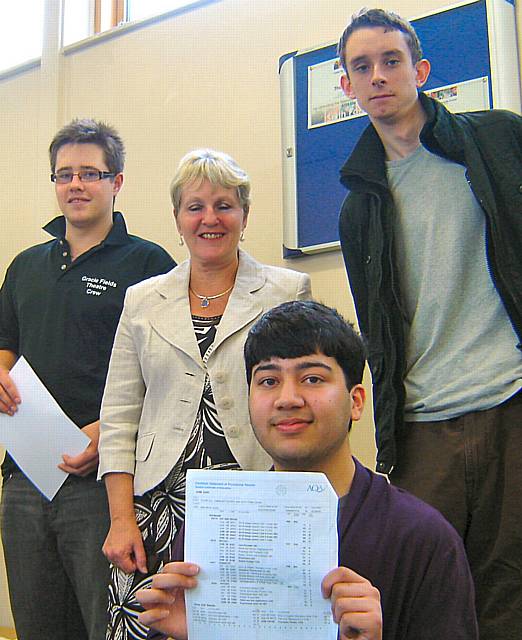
x,y
233,432
220,376
227,403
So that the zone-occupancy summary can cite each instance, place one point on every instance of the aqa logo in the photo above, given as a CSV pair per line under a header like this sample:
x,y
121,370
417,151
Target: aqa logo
x,y
316,488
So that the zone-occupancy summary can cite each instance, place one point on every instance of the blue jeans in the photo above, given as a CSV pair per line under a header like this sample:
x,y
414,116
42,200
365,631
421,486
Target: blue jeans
x,y
56,571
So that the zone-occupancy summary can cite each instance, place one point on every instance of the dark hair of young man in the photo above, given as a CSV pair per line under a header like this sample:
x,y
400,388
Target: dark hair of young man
x,y
380,18
87,131
301,328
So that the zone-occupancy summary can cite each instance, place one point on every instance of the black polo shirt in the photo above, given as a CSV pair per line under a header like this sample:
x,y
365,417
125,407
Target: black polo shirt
x,y
62,315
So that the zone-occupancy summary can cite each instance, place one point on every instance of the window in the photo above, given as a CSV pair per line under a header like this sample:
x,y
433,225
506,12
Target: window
x,y
22,24
139,9
21,32
78,22
84,18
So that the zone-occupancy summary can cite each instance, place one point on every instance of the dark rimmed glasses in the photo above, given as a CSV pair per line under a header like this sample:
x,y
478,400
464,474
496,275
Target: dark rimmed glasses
x,y
84,175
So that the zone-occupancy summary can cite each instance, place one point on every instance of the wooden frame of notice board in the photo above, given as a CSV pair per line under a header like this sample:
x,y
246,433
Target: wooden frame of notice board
x,y
472,47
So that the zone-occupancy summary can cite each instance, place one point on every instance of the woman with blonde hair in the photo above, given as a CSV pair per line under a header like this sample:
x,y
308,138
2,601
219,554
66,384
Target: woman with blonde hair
x,y
176,396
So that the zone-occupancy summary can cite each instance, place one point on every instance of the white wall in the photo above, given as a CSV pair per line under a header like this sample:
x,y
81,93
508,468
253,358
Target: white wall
x,y
207,77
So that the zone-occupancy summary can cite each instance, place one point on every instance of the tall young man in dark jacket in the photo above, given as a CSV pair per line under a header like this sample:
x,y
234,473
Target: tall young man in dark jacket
x,y
431,234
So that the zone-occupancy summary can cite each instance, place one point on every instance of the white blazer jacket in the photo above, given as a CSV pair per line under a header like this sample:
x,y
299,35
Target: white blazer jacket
x,y
156,374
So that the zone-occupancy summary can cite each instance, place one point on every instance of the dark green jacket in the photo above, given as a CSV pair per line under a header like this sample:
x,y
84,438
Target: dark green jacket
x,y
489,145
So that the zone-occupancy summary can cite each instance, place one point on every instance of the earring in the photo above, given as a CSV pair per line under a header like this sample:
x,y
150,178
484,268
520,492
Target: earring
x,y
242,236
181,242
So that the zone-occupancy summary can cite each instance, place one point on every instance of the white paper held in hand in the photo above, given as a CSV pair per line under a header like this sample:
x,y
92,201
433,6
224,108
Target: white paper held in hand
x,y
264,541
39,433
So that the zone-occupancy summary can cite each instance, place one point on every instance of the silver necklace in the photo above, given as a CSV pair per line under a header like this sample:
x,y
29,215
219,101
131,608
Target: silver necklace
x,y
205,300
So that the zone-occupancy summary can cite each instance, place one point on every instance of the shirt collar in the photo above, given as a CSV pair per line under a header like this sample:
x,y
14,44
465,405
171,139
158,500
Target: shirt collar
x,y
360,481
117,235
366,162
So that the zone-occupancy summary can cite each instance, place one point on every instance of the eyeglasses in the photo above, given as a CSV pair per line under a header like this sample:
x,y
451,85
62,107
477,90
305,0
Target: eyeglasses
x,y
85,175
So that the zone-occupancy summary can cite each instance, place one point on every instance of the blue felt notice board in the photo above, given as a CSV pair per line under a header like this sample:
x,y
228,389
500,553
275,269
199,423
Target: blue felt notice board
x,y
463,42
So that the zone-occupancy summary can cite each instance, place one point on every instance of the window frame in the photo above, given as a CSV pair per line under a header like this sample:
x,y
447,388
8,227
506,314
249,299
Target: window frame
x,y
118,14
120,26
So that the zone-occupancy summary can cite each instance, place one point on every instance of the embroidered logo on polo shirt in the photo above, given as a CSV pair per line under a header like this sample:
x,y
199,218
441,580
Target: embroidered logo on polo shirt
x,y
96,286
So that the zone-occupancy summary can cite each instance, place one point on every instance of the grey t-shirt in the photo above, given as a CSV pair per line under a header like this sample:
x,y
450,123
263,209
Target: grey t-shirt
x,y
460,345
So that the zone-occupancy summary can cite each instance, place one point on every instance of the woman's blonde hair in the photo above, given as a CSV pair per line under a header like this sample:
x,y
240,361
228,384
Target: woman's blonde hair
x,y
216,167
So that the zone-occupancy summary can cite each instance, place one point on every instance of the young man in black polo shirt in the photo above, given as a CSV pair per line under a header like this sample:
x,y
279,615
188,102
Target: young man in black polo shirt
x,y
59,307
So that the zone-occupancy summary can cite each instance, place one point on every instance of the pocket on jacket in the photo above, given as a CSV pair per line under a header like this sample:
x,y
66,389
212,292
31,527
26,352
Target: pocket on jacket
x,y
143,446
375,362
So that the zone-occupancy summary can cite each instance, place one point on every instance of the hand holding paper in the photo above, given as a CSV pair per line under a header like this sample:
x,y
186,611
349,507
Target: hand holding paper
x,y
165,601
39,432
87,461
356,604
9,396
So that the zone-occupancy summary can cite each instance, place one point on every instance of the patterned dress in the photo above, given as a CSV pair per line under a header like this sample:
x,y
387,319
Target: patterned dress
x,y
161,511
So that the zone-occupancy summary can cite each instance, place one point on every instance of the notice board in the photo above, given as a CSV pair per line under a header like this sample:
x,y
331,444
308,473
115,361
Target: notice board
x,y
472,48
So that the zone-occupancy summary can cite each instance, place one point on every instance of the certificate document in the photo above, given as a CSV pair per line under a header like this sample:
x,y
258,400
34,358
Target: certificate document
x,y
263,541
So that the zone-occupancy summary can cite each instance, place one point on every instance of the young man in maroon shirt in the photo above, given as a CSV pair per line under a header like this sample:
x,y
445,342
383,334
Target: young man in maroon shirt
x,y
403,573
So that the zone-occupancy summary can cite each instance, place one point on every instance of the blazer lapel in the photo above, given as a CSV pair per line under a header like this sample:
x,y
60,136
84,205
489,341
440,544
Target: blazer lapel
x,y
243,305
172,318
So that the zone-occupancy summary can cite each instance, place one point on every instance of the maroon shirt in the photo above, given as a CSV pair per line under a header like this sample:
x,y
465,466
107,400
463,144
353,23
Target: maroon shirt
x,y
413,556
